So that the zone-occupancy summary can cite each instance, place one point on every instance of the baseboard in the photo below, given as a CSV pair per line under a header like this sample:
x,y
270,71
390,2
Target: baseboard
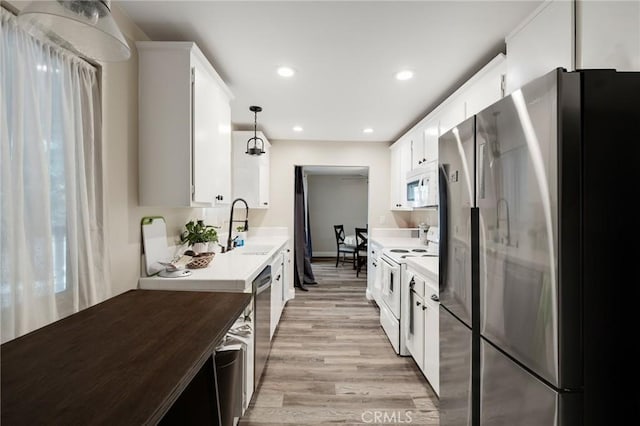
x,y
324,254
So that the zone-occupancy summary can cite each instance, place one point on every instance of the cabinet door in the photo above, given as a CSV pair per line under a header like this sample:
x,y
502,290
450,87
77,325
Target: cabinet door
x,y
204,135
431,365
430,134
222,158
263,184
400,165
415,330
417,149
487,90
276,299
452,115
543,43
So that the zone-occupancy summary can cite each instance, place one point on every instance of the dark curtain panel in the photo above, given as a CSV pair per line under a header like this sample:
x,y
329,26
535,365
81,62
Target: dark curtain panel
x,y
303,274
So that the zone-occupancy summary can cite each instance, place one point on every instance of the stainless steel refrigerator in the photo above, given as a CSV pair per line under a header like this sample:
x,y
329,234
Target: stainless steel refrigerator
x,y
532,193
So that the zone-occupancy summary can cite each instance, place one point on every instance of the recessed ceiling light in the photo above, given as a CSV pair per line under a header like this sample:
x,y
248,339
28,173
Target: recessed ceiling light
x,y
367,130
404,75
297,128
286,72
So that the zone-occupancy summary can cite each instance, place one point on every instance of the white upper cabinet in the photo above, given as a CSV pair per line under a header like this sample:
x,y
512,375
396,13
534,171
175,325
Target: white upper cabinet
x,y
574,35
543,42
400,165
487,88
608,35
452,114
184,127
251,172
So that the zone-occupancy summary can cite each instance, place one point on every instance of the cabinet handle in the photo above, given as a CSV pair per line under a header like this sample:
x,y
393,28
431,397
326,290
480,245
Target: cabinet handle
x,y
278,277
424,160
419,162
418,303
412,283
424,308
266,204
435,298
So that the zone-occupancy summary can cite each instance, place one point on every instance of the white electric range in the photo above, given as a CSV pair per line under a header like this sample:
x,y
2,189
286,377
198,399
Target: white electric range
x,y
393,289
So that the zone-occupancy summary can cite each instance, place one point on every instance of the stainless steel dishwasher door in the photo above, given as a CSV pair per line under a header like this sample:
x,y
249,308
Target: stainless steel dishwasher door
x,y
262,294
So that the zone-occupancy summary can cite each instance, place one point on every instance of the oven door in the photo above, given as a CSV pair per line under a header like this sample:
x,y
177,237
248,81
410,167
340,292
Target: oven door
x,y
391,286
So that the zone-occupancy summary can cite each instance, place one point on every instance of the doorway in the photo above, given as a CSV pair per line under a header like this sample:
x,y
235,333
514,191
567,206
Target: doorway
x,y
335,196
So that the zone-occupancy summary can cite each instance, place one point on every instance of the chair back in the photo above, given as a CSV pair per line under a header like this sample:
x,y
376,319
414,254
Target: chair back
x,y
339,231
361,239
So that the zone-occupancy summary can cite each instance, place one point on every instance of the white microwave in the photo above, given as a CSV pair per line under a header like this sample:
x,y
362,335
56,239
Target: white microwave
x,y
422,187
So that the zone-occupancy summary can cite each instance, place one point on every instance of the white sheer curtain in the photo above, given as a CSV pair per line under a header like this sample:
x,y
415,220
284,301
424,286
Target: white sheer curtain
x,y
53,258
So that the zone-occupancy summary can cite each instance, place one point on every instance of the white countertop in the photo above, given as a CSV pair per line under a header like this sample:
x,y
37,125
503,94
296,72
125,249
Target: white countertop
x,y
426,266
232,271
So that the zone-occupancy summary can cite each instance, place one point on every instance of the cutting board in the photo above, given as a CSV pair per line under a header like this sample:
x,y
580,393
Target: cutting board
x,y
154,243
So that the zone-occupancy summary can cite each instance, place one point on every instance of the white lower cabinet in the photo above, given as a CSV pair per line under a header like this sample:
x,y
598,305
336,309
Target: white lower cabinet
x,y
278,288
422,335
431,348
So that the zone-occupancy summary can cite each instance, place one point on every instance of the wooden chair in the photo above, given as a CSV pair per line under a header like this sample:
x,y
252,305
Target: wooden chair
x,y
343,248
361,249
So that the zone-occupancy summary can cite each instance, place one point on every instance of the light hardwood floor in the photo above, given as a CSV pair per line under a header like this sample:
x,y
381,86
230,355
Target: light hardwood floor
x,y
331,363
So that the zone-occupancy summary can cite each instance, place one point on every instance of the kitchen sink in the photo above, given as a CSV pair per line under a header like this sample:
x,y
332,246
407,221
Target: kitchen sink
x,y
255,250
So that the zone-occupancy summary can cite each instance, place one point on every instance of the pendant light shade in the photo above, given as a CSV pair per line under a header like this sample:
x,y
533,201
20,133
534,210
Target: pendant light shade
x,y
252,144
85,27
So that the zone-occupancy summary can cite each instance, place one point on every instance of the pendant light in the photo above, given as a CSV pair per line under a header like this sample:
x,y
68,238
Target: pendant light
x,y
85,27
254,150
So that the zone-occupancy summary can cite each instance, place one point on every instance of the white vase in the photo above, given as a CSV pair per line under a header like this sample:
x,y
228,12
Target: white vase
x,y
199,247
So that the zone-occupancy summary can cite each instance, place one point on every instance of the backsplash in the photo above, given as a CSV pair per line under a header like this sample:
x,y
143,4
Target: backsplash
x,y
430,217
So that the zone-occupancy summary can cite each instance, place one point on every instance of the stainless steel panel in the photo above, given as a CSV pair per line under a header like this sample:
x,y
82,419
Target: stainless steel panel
x,y
510,396
262,333
455,371
456,158
517,198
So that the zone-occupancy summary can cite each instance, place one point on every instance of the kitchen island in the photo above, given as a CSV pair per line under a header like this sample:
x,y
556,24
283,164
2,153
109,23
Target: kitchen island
x,y
143,357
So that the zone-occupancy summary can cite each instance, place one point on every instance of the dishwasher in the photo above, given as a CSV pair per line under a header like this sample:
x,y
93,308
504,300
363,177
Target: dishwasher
x,y
262,297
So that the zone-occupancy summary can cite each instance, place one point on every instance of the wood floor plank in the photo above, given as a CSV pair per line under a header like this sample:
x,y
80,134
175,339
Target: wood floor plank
x,y
332,363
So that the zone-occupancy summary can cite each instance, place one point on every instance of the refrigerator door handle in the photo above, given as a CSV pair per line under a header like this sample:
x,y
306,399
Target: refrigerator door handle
x,y
444,226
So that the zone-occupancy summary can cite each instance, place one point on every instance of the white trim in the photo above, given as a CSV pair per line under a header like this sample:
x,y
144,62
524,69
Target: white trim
x,y
528,19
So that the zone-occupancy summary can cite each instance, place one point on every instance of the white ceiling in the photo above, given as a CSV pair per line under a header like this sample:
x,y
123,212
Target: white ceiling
x,y
345,54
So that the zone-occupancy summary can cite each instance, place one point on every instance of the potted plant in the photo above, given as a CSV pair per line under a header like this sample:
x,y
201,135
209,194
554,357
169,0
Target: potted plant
x,y
198,235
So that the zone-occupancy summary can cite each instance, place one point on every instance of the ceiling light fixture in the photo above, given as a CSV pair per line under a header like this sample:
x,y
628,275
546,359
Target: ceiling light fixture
x,y
254,150
367,130
404,75
86,27
286,72
297,128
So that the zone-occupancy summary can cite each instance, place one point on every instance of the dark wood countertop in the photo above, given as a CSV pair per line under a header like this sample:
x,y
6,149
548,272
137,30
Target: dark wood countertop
x,y
123,361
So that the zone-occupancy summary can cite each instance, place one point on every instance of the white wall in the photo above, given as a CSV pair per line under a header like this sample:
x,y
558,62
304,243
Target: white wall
x,y
335,200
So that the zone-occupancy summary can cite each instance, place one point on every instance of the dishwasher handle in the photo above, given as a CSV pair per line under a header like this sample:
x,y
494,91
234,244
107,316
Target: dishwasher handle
x,y
262,281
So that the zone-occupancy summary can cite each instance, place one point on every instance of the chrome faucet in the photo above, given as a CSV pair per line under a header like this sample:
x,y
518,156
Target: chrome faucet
x,y
246,222
507,240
